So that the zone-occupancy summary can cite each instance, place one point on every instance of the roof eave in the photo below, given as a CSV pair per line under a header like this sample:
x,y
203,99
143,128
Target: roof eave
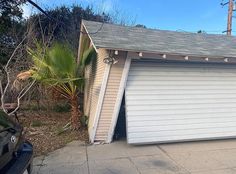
x,y
86,32
163,52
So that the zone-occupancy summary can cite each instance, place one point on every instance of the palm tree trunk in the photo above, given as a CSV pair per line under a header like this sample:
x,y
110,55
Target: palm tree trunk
x,y
75,122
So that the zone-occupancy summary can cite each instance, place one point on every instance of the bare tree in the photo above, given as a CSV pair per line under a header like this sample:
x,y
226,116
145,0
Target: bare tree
x,y
5,75
12,76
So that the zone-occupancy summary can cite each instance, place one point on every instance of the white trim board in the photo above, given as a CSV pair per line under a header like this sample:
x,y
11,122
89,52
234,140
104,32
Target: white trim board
x,y
90,38
119,99
80,42
100,102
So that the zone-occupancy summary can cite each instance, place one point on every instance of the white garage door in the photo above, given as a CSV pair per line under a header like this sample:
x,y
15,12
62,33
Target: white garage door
x,y
167,102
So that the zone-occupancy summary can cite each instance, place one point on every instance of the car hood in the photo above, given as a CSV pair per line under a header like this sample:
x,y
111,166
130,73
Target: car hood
x,y
9,140
5,121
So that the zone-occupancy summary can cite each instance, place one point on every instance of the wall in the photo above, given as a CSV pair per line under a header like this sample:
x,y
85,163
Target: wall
x,y
110,97
94,75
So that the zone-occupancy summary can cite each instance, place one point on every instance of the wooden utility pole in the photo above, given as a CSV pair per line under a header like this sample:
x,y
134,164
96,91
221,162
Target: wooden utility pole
x,y
230,14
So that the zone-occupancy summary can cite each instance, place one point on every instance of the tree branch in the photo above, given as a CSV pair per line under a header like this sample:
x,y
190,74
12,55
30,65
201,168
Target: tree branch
x,y
4,90
22,94
2,98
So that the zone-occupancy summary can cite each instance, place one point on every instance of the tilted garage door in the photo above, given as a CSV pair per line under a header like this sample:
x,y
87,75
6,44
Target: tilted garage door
x,y
167,102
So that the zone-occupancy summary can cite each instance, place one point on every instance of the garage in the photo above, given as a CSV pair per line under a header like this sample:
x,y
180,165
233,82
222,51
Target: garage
x,y
176,101
158,86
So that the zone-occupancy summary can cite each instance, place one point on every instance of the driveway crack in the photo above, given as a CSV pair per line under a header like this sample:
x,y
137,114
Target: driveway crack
x,y
134,165
41,164
166,153
87,158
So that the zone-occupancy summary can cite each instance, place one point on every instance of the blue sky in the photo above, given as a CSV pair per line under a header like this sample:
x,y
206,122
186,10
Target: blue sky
x,y
186,15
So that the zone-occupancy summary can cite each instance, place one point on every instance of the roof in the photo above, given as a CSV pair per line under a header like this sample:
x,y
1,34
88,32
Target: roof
x,y
137,39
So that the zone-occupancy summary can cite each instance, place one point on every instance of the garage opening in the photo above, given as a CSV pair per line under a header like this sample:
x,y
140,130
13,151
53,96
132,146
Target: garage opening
x,y
120,130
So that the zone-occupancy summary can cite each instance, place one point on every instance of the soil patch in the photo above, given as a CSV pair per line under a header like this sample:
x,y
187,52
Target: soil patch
x,y
43,130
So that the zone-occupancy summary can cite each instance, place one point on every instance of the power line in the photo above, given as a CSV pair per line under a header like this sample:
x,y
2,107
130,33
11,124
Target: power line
x,y
207,31
60,22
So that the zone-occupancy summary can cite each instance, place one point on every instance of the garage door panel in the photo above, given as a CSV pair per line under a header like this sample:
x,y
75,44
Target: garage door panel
x,y
205,125
176,64
182,92
168,64
170,117
180,106
139,96
177,101
144,88
176,73
180,83
145,102
157,124
181,133
180,112
177,138
180,78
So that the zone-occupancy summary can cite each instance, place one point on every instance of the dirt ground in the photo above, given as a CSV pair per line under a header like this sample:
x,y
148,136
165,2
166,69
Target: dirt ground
x,y
43,130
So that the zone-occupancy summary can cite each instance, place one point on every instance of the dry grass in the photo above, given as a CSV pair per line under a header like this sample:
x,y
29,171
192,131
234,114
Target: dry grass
x,y
42,129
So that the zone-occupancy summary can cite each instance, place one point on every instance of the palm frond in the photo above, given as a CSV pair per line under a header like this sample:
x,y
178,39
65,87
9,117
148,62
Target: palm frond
x,y
56,67
89,55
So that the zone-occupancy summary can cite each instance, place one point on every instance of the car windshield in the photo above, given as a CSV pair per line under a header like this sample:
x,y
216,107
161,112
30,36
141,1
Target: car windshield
x,y
5,121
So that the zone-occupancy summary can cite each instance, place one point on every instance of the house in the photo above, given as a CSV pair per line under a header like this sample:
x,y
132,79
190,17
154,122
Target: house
x,y
174,86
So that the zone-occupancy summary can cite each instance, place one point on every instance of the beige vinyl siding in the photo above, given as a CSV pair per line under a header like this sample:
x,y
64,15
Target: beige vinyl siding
x,y
94,76
88,75
110,97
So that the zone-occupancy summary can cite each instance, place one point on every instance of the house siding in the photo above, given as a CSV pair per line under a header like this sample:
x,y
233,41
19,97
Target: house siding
x,y
94,76
110,97
88,75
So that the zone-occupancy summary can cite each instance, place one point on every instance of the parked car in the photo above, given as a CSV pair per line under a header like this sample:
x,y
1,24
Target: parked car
x,y
16,153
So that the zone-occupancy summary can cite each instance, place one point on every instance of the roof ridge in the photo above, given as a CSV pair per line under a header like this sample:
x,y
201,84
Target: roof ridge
x,y
161,30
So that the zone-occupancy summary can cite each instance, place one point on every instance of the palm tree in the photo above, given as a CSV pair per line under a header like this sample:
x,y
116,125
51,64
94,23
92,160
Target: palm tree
x,y
56,67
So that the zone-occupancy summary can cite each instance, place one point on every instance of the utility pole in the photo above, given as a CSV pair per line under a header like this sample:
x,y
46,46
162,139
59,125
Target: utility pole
x,y
230,15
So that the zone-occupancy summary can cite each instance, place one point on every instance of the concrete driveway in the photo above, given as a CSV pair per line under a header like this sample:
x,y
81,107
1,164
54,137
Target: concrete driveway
x,y
206,157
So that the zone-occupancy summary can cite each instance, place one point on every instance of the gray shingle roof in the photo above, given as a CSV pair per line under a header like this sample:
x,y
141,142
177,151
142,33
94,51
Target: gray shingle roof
x,y
160,41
